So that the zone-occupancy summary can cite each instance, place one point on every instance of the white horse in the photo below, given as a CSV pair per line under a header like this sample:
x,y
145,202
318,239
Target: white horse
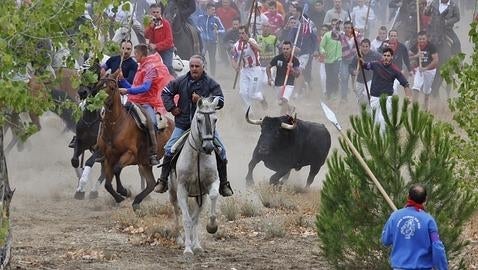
x,y
196,175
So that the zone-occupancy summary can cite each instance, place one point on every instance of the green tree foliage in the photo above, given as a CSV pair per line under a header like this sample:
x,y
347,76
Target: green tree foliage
x,y
463,75
413,149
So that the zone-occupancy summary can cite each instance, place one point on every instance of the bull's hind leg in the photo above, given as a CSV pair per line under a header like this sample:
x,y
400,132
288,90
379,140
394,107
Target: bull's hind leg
x,y
109,187
314,170
211,226
274,180
147,173
252,165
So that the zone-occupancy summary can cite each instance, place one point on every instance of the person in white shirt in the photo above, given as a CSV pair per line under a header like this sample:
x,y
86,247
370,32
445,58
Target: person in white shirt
x,y
381,37
359,16
249,68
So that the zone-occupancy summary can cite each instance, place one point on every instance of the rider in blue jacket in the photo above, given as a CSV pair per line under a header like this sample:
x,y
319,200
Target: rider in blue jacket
x,y
413,235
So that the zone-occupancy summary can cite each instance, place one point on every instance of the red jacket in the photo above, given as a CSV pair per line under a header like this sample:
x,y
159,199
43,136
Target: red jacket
x,y
161,36
226,14
152,64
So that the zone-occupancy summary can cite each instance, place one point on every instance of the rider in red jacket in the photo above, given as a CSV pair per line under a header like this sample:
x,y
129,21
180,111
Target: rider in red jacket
x,y
151,77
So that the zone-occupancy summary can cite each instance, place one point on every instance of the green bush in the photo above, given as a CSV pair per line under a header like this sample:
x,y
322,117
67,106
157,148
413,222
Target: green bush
x,y
413,149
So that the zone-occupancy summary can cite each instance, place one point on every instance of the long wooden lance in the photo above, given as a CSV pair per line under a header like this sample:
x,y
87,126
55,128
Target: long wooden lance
x,y
418,30
359,56
331,116
292,52
242,49
364,33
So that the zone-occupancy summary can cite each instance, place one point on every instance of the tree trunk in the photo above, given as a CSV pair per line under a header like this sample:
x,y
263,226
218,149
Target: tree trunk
x,y
6,195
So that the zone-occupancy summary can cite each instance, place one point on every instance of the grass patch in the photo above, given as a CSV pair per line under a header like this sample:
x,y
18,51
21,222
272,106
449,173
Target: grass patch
x,y
4,230
249,209
274,197
230,209
274,228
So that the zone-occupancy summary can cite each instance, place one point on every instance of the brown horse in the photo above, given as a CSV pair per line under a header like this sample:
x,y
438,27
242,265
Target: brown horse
x,y
123,144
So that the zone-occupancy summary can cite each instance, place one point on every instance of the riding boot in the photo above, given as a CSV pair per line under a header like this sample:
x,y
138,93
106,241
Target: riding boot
x,y
162,183
153,158
73,142
224,186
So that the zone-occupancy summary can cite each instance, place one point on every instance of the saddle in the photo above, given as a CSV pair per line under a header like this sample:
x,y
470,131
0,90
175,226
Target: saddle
x,y
140,117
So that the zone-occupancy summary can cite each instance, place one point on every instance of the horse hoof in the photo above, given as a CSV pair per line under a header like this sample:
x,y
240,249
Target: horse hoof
x,y
93,195
249,183
75,162
136,207
188,253
79,195
211,228
119,199
198,249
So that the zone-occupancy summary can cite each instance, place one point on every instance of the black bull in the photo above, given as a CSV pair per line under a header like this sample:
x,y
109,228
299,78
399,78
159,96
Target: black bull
x,y
286,144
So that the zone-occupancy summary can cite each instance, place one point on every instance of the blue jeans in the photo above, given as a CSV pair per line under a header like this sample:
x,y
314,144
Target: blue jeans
x,y
344,75
151,113
167,57
177,133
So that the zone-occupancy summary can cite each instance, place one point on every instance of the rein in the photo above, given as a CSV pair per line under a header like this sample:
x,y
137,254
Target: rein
x,y
199,199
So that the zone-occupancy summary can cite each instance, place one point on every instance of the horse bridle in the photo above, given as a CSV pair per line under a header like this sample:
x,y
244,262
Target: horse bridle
x,y
209,133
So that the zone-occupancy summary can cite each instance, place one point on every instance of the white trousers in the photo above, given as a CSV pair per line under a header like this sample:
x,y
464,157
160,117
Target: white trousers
x,y
375,106
361,92
249,89
423,81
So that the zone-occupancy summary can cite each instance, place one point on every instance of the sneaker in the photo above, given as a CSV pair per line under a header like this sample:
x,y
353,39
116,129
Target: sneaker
x,y
225,189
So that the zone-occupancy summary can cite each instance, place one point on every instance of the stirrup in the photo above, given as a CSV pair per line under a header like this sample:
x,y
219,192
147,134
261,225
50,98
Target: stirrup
x,y
161,186
225,189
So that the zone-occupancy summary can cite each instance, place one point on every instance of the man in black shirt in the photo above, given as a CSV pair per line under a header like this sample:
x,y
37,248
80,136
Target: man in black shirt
x,y
284,65
400,53
384,74
427,55
129,65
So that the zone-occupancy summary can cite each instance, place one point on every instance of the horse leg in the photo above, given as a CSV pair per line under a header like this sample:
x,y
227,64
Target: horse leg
x,y
211,226
108,186
195,232
187,222
119,186
125,160
94,191
173,199
85,176
147,173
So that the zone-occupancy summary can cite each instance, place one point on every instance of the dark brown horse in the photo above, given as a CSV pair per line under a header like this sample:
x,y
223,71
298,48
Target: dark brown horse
x,y
124,144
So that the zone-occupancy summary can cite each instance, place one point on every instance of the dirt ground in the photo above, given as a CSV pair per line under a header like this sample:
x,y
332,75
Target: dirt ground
x,y
54,231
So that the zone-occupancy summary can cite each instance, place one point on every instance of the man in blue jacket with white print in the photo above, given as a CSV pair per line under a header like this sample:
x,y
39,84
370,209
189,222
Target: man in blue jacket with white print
x,y
210,27
413,235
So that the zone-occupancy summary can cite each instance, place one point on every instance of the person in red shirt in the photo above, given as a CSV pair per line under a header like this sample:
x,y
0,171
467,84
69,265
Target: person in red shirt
x,y
150,79
226,13
160,36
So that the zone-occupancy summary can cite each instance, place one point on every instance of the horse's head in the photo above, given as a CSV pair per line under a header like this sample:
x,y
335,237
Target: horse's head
x,y
205,120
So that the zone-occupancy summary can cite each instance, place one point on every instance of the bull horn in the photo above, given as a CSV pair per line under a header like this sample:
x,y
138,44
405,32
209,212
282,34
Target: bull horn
x,y
254,122
288,126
